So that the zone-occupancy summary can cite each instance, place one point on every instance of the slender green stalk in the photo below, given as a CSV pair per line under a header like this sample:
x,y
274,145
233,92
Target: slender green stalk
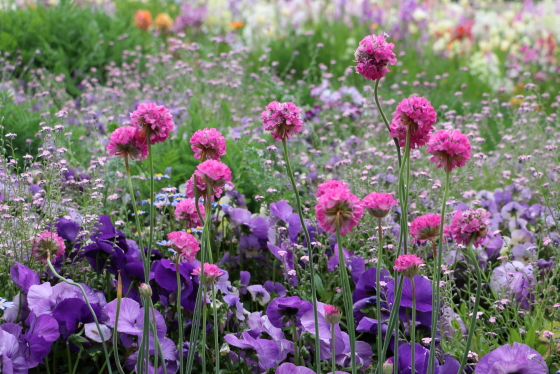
x,y
216,342
378,289
375,95
49,264
413,329
472,327
404,193
437,278
179,315
333,353
295,339
77,361
158,351
310,255
115,328
204,331
69,357
347,297
393,317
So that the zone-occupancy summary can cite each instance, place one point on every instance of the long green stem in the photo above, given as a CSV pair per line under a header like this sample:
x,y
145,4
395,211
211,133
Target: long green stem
x,y
204,331
393,317
294,338
375,95
179,315
310,255
115,328
49,264
158,351
378,289
347,297
333,353
413,328
404,193
216,341
437,277
472,327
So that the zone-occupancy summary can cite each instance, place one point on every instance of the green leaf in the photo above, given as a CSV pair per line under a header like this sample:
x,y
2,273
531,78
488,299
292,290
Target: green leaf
x,y
320,288
530,337
514,336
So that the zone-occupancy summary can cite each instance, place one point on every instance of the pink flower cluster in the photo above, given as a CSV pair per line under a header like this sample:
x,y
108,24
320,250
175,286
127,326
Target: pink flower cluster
x,y
408,265
213,173
472,224
48,244
373,56
153,121
186,210
208,144
338,207
201,186
185,244
211,272
378,204
426,227
450,149
415,115
329,185
126,142
282,119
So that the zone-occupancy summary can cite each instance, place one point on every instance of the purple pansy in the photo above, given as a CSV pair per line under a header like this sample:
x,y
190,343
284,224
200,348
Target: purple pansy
x,y
519,358
282,310
23,277
284,212
266,351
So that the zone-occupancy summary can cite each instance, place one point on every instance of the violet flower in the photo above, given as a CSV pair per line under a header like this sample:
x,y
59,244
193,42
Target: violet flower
x,y
519,359
72,314
266,351
279,311
10,358
283,211
354,263
23,277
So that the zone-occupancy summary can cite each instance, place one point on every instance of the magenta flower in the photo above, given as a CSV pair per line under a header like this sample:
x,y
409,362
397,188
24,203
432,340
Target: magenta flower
x,y
332,314
201,186
185,244
470,224
186,210
519,358
208,144
408,265
425,227
48,244
211,272
373,56
329,185
450,149
213,173
415,115
152,121
378,204
282,119
338,207
126,142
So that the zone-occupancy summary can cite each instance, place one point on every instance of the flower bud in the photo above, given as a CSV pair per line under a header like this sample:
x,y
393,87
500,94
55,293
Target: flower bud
x,y
224,350
332,314
145,291
388,366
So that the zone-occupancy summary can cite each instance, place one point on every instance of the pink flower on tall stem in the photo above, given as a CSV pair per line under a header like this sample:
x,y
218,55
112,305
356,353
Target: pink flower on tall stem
x,y
211,272
282,120
185,244
329,185
48,244
373,56
201,186
408,265
213,173
186,210
332,314
471,224
415,115
154,122
450,149
338,207
426,227
208,144
379,204
126,142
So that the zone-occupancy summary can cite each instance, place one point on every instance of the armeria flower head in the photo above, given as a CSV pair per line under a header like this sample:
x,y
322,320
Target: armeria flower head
x,y
143,19
332,314
329,185
519,358
208,144
338,207
152,121
471,224
450,149
48,244
415,115
186,210
379,204
213,173
373,56
201,187
126,142
282,119
408,265
211,272
425,227
164,22
185,244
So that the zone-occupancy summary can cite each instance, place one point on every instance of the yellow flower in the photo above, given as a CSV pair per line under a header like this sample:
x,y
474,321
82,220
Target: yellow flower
x,y
143,19
164,22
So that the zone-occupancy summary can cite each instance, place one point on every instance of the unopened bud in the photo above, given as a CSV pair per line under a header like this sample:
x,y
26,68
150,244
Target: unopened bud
x,y
388,366
332,314
224,350
145,291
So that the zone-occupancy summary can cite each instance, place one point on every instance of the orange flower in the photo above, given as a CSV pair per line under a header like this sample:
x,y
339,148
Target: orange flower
x,y
164,22
143,19
237,25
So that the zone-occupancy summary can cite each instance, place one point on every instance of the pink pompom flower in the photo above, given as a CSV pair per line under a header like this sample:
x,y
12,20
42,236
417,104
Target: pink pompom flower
x,y
450,149
338,207
408,265
213,173
211,272
126,142
373,56
152,121
48,244
186,210
471,224
282,119
332,314
201,187
426,227
329,185
185,244
379,204
208,144
415,115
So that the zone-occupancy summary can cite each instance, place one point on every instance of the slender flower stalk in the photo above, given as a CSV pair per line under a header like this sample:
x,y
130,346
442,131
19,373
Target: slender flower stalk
x,y
115,331
472,256
216,331
107,357
413,328
310,255
393,317
295,339
376,96
437,278
347,297
179,315
333,350
378,289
